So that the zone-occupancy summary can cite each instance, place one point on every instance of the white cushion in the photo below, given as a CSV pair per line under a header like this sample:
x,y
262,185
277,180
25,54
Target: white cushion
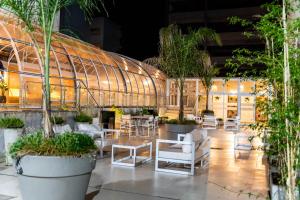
x,y
87,127
174,153
59,129
187,148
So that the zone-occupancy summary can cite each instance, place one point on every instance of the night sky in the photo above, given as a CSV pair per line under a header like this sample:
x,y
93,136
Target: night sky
x,y
140,21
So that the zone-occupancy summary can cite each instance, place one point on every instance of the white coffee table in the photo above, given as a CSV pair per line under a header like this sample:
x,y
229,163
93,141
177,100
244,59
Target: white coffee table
x,y
132,160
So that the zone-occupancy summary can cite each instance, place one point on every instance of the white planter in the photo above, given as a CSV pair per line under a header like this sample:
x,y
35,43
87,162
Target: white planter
x,y
10,136
78,123
54,178
278,192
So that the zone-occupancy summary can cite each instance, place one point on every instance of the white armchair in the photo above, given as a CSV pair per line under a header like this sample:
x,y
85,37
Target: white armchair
x,y
194,148
232,124
101,140
209,122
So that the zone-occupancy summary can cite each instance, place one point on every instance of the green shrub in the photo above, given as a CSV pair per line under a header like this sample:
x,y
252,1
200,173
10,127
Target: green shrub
x,y
82,117
11,122
67,144
57,120
145,111
185,122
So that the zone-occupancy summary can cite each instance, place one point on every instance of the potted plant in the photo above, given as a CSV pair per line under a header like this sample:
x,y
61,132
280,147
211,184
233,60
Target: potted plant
x,y
3,89
12,129
56,168
180,57
44,172
82,118
185,126
279,28
59,125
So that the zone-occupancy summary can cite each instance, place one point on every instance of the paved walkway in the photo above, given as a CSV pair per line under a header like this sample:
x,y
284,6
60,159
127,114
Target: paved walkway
x,y
225,179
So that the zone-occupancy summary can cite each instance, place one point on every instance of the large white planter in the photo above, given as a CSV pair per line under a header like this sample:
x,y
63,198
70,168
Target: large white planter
x,y
10,136
180,128
54,178
278,192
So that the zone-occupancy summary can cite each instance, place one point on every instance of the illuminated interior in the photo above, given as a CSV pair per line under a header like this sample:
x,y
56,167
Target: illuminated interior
x,y
81,74
227,98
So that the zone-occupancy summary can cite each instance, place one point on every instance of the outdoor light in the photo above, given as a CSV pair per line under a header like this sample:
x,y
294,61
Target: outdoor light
x,y
214,87
241,87
105,82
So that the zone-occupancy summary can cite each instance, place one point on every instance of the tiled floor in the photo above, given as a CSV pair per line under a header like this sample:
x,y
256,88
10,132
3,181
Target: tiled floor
x,y
226,178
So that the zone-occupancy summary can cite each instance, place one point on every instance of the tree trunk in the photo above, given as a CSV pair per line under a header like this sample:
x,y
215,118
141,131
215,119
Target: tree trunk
x,y
46,97
181,107
207,94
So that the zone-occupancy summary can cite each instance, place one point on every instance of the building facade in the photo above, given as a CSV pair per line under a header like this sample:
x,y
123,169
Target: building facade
x,y
227,98
80,74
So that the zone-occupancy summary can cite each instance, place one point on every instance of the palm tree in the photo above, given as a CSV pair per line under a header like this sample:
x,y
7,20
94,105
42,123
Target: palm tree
x,y
41,14
179,55
207,72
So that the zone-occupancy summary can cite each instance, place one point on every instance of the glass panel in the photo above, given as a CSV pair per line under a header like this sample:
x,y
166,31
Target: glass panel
x,y
218,86
247,109
201,88
217,105
231,103
247,87
32,88
231,86
13,82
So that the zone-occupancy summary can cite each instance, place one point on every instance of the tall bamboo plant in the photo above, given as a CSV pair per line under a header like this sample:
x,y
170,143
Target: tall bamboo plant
x,y
279,27
41,15
179,55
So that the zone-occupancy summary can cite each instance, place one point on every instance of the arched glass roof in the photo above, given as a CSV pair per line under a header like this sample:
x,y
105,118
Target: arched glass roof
x,y
80,73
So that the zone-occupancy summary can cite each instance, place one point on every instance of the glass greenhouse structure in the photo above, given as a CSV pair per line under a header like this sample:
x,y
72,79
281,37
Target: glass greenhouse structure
x,y
81,74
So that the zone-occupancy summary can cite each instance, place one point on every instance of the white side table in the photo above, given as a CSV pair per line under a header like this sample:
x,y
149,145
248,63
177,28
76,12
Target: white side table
x,y
132,160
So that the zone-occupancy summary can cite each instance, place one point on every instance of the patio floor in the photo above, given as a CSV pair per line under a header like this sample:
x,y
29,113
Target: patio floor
x,y
226,178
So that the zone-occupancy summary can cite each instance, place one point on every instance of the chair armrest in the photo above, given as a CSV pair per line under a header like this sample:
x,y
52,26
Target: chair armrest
x,y
204,143
180,136
172,142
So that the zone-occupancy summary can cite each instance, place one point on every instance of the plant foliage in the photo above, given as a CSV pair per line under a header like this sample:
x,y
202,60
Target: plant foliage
x,y
11,122
57,120
67,144
281,74
180,56
82,117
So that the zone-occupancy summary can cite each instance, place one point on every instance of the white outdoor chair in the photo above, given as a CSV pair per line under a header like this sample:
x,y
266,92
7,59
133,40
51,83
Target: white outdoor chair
x,y
209,122
60,129
242,143
149,125
156,122
232,124
99,136
194,148
128,125
198,119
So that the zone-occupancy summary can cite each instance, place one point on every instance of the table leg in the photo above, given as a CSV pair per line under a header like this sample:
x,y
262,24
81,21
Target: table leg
x,y
134,157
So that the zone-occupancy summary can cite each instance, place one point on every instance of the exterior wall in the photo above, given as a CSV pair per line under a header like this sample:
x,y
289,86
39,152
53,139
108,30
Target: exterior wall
x,y
234,97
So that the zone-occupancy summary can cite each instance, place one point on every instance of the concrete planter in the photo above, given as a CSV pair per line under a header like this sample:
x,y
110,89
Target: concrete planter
x,y
54,178
277,191
10,136
78,123
180,128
